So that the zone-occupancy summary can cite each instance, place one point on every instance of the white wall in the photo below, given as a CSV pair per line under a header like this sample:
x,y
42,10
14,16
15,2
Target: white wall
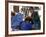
x,y
2,19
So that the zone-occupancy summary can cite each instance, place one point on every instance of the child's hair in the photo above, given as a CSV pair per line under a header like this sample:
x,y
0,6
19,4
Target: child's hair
x,y
28,19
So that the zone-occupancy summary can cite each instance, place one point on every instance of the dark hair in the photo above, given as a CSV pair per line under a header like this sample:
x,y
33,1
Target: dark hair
x,y
31,8
12,14
28,18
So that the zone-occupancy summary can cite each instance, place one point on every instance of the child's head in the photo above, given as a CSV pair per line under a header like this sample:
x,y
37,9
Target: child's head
x,y
28,19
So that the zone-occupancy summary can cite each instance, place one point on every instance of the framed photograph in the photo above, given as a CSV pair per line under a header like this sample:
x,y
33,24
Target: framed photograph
x,y
25,18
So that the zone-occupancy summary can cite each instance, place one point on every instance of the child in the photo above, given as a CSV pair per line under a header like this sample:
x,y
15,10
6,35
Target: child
x,y
27,24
